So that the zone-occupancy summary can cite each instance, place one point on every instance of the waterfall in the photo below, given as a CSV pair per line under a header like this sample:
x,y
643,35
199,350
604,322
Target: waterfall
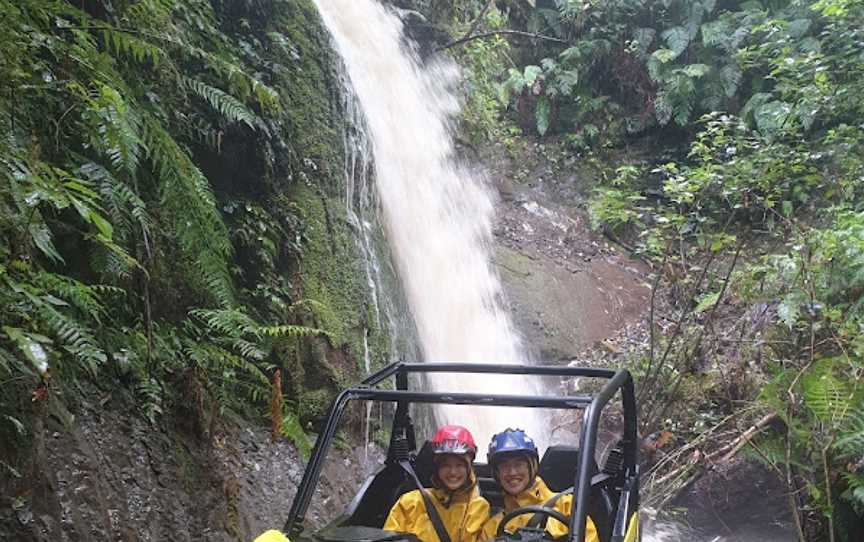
x,y
437,219
361,205
436,214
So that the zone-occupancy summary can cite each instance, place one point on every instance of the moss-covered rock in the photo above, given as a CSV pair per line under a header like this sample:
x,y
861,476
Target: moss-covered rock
x,y
329,290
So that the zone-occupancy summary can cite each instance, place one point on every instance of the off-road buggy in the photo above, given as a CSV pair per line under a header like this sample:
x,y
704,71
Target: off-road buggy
x,y
610,495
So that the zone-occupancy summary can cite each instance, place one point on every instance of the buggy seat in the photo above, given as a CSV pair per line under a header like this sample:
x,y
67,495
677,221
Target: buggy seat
x,y
558,469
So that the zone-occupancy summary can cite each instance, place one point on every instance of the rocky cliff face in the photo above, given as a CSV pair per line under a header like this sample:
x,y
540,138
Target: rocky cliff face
x,y
570,290
96,471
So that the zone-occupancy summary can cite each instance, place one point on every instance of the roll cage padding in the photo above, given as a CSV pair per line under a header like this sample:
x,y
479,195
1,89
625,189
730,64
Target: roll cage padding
x,y
377,496
558,466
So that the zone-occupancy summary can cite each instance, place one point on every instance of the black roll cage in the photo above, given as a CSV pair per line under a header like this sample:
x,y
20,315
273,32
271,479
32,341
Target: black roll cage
x,y
593,404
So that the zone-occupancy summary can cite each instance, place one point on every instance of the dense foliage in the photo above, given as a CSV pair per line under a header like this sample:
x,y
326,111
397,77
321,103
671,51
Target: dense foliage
x,y
146,236
749,207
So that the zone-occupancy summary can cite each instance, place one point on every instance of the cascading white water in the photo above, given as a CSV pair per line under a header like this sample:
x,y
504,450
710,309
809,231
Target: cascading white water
x,y
361,206
437,215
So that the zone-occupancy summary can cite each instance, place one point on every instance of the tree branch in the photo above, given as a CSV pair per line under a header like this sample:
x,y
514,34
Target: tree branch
x,y
517,33
670,485
478,20
732,450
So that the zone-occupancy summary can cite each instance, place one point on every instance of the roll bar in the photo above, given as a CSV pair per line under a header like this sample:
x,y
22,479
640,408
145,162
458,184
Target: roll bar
x,y
592,404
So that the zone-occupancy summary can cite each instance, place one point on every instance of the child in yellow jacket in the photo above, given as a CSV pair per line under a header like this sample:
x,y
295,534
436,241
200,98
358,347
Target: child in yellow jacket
x,y
462,510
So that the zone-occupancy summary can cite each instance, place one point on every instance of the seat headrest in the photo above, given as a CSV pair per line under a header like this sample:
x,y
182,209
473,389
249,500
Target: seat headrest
x,y
558,466
424,465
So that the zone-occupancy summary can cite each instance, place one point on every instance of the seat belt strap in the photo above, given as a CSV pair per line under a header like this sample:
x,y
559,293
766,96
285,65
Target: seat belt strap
x,y
431,511
536,519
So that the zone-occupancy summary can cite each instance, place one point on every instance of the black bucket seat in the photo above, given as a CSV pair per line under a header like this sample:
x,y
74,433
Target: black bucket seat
x,y
558,469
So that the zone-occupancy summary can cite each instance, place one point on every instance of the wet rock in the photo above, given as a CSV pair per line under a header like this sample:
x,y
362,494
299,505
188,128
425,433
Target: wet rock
x,y
110,476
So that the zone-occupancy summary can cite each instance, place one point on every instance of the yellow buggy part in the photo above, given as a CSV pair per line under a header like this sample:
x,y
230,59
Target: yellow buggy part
x,y
632,529
272,536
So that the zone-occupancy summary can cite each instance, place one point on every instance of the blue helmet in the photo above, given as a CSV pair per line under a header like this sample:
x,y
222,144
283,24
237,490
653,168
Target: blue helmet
x,y
513,442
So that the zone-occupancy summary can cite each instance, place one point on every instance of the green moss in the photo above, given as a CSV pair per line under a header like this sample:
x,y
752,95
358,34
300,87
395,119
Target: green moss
x,y
312,107
330,276
315,404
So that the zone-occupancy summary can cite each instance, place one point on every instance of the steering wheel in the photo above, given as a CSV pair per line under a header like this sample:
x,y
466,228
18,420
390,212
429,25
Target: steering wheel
x,y
542,510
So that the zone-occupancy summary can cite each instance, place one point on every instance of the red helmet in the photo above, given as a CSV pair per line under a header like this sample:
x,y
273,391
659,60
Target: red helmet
x,y
454,439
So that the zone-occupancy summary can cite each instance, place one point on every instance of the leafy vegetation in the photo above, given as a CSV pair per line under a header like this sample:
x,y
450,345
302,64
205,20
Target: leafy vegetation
x,y
779,180
147,235
748,207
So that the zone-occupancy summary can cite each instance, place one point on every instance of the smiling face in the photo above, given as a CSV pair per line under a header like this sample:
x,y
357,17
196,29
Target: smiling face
x,y
452,471
514,473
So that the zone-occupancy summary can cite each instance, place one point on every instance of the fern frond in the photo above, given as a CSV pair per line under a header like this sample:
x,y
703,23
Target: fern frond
x,y
83,297
120,42
826,395
230,107
240,83
117,129
196,352
148,13
248,349
290,331
73,336
150,392
189,201
41,236
123,204
217,359
293,431
851,439
198,128
229,322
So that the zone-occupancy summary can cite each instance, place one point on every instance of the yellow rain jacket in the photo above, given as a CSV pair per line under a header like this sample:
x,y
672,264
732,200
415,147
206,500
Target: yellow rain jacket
x,y
537,495
463,513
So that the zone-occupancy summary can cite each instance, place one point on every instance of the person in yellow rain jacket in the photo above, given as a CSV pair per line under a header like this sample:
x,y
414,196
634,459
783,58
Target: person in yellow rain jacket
x,y
515,462
462,510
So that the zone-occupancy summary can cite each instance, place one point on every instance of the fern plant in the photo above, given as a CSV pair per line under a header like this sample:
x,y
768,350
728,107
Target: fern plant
x,y
115,257
674,62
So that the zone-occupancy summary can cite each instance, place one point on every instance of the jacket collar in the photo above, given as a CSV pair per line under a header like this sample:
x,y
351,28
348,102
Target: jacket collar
x,y
536,493
447,497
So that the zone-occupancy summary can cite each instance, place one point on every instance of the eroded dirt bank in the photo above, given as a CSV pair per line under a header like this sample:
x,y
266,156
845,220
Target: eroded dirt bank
x,y
100,472
568,288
